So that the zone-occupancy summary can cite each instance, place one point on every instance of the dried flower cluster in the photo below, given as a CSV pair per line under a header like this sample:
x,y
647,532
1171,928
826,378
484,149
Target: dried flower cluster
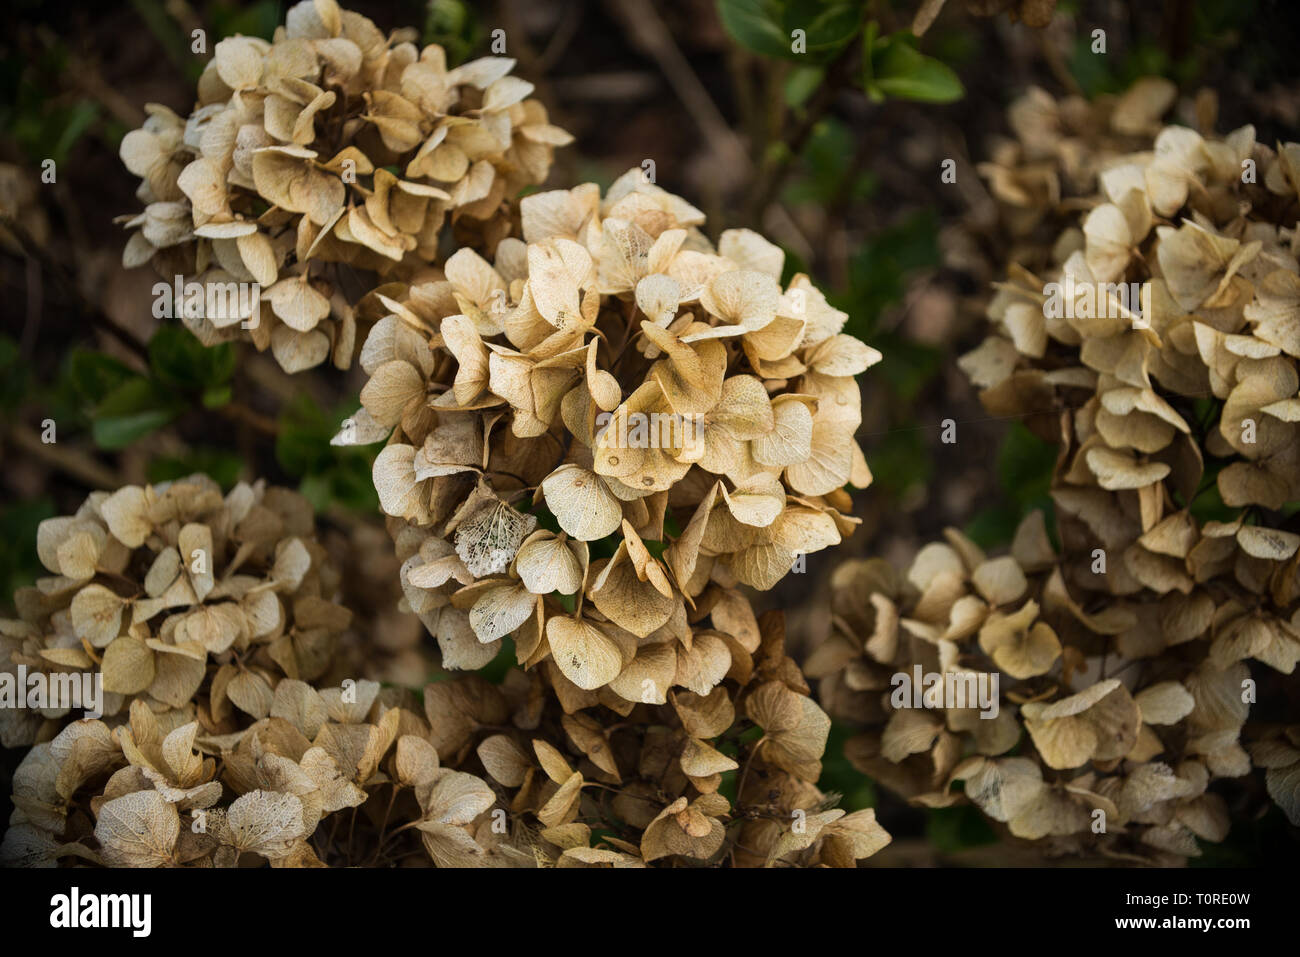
x,y
1106,726
1169,342
331,144
650,781
203,616
1042,174
596,437
231,729
1162,331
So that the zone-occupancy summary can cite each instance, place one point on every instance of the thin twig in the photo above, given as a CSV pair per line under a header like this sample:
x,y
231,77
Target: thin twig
x,y
647,30
774,172
72,461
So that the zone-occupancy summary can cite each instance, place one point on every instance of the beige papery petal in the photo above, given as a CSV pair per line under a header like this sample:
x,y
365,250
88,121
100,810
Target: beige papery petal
x,y
558,272
138,830
742,298
548,563
628,254
463,341
757,501
1099,723
647,678
391,388
683,554
582,503
289,178
789,441
401,494
750,250
558,213
742,412
296,351
488,537
500,610
658,296
829,463
690,376
1019,644
584,652
627,599
480,291
604,388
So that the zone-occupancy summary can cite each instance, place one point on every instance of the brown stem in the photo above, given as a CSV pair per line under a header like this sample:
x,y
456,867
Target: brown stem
x,y
774,172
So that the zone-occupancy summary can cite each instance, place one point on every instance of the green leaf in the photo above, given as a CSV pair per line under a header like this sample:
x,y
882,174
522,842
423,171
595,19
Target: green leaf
x,y
215,396
327,474
767,26
801,83
452,25
132,410
93,375
179,360
899,70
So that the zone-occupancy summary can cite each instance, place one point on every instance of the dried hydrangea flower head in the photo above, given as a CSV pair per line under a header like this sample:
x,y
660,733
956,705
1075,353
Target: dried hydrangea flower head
x,y
582,790
229,725
1167,335
985,671
1163,332
593,439
332,144
436,784
163,590
1044,172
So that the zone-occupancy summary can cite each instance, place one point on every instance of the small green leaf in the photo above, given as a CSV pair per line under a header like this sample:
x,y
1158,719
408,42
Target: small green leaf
x,y
179,360
94,375
215,396
899,70
768,27
132,410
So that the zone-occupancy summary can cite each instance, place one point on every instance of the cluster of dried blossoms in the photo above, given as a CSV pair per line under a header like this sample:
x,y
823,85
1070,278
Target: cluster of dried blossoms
x,y
1163,332
231,729
541,775
678,422
1042,174
333,144
1168,340
199,616
1103,731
